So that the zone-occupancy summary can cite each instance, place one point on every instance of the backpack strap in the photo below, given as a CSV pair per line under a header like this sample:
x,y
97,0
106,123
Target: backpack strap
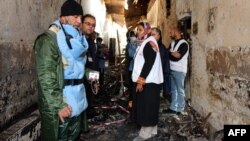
x,y
68,37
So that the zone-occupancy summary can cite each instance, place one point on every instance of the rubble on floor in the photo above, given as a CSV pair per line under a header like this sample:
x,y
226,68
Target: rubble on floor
x,y
111,122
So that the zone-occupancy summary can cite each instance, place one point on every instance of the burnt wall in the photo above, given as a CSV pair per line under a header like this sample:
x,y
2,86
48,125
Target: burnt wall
x,y
161,14
219,77
220,66
23,21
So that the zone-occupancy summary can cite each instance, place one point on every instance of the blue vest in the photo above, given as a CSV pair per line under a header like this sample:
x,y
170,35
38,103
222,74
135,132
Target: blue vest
x,y
74,67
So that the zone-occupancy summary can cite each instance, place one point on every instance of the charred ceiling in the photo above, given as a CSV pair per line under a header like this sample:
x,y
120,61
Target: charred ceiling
x,y
136,9
115,8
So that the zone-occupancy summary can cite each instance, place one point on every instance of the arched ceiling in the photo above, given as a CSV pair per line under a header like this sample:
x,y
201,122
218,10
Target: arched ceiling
x,y
130,16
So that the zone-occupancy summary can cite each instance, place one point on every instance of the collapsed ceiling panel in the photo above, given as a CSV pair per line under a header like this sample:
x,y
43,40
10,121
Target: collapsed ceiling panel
x,y
130,16
118,9
136,9
115,8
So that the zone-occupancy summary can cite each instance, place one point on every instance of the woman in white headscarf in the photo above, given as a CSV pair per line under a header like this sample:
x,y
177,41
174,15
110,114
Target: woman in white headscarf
x,y
148,77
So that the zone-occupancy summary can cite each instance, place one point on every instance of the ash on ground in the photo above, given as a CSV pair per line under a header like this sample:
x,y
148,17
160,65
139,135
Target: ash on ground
x,y
110,120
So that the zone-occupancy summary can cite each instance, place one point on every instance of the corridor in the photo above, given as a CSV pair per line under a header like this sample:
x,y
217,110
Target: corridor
x,y
217,83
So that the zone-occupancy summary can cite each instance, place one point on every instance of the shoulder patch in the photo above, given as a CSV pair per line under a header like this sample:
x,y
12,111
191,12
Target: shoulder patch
x,y
54,28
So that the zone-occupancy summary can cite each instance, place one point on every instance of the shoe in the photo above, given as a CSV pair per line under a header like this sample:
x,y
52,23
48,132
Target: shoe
x,y
170,112
139,138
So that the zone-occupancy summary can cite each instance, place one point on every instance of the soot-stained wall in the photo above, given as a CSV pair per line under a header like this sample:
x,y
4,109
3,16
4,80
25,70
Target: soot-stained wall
x,y
22,21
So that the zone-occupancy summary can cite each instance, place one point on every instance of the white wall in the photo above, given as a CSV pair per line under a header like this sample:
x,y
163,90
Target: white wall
x,y
105,25
96,8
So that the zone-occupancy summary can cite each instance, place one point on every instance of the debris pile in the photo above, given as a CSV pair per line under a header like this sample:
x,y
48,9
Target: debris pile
x,y
112,118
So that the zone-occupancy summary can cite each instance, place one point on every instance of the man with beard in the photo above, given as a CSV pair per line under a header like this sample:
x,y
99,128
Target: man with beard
x,y
178,55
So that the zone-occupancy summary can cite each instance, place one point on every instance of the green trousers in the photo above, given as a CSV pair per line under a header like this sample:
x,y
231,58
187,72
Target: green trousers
x,y
85,127
70,129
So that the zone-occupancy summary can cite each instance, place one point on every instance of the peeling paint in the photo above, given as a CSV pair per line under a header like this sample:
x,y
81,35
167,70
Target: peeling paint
x,y
220,60
211,18
229,62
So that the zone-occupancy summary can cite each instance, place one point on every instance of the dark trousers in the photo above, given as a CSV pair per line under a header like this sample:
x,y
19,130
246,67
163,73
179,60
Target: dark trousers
x,y
130,86
101,80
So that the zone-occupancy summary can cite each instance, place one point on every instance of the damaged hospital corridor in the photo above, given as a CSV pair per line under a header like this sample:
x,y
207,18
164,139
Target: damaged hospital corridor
x,y
124,70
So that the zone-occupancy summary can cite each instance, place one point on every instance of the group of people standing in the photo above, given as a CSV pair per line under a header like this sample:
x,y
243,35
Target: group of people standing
x,y
154,68
66,53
